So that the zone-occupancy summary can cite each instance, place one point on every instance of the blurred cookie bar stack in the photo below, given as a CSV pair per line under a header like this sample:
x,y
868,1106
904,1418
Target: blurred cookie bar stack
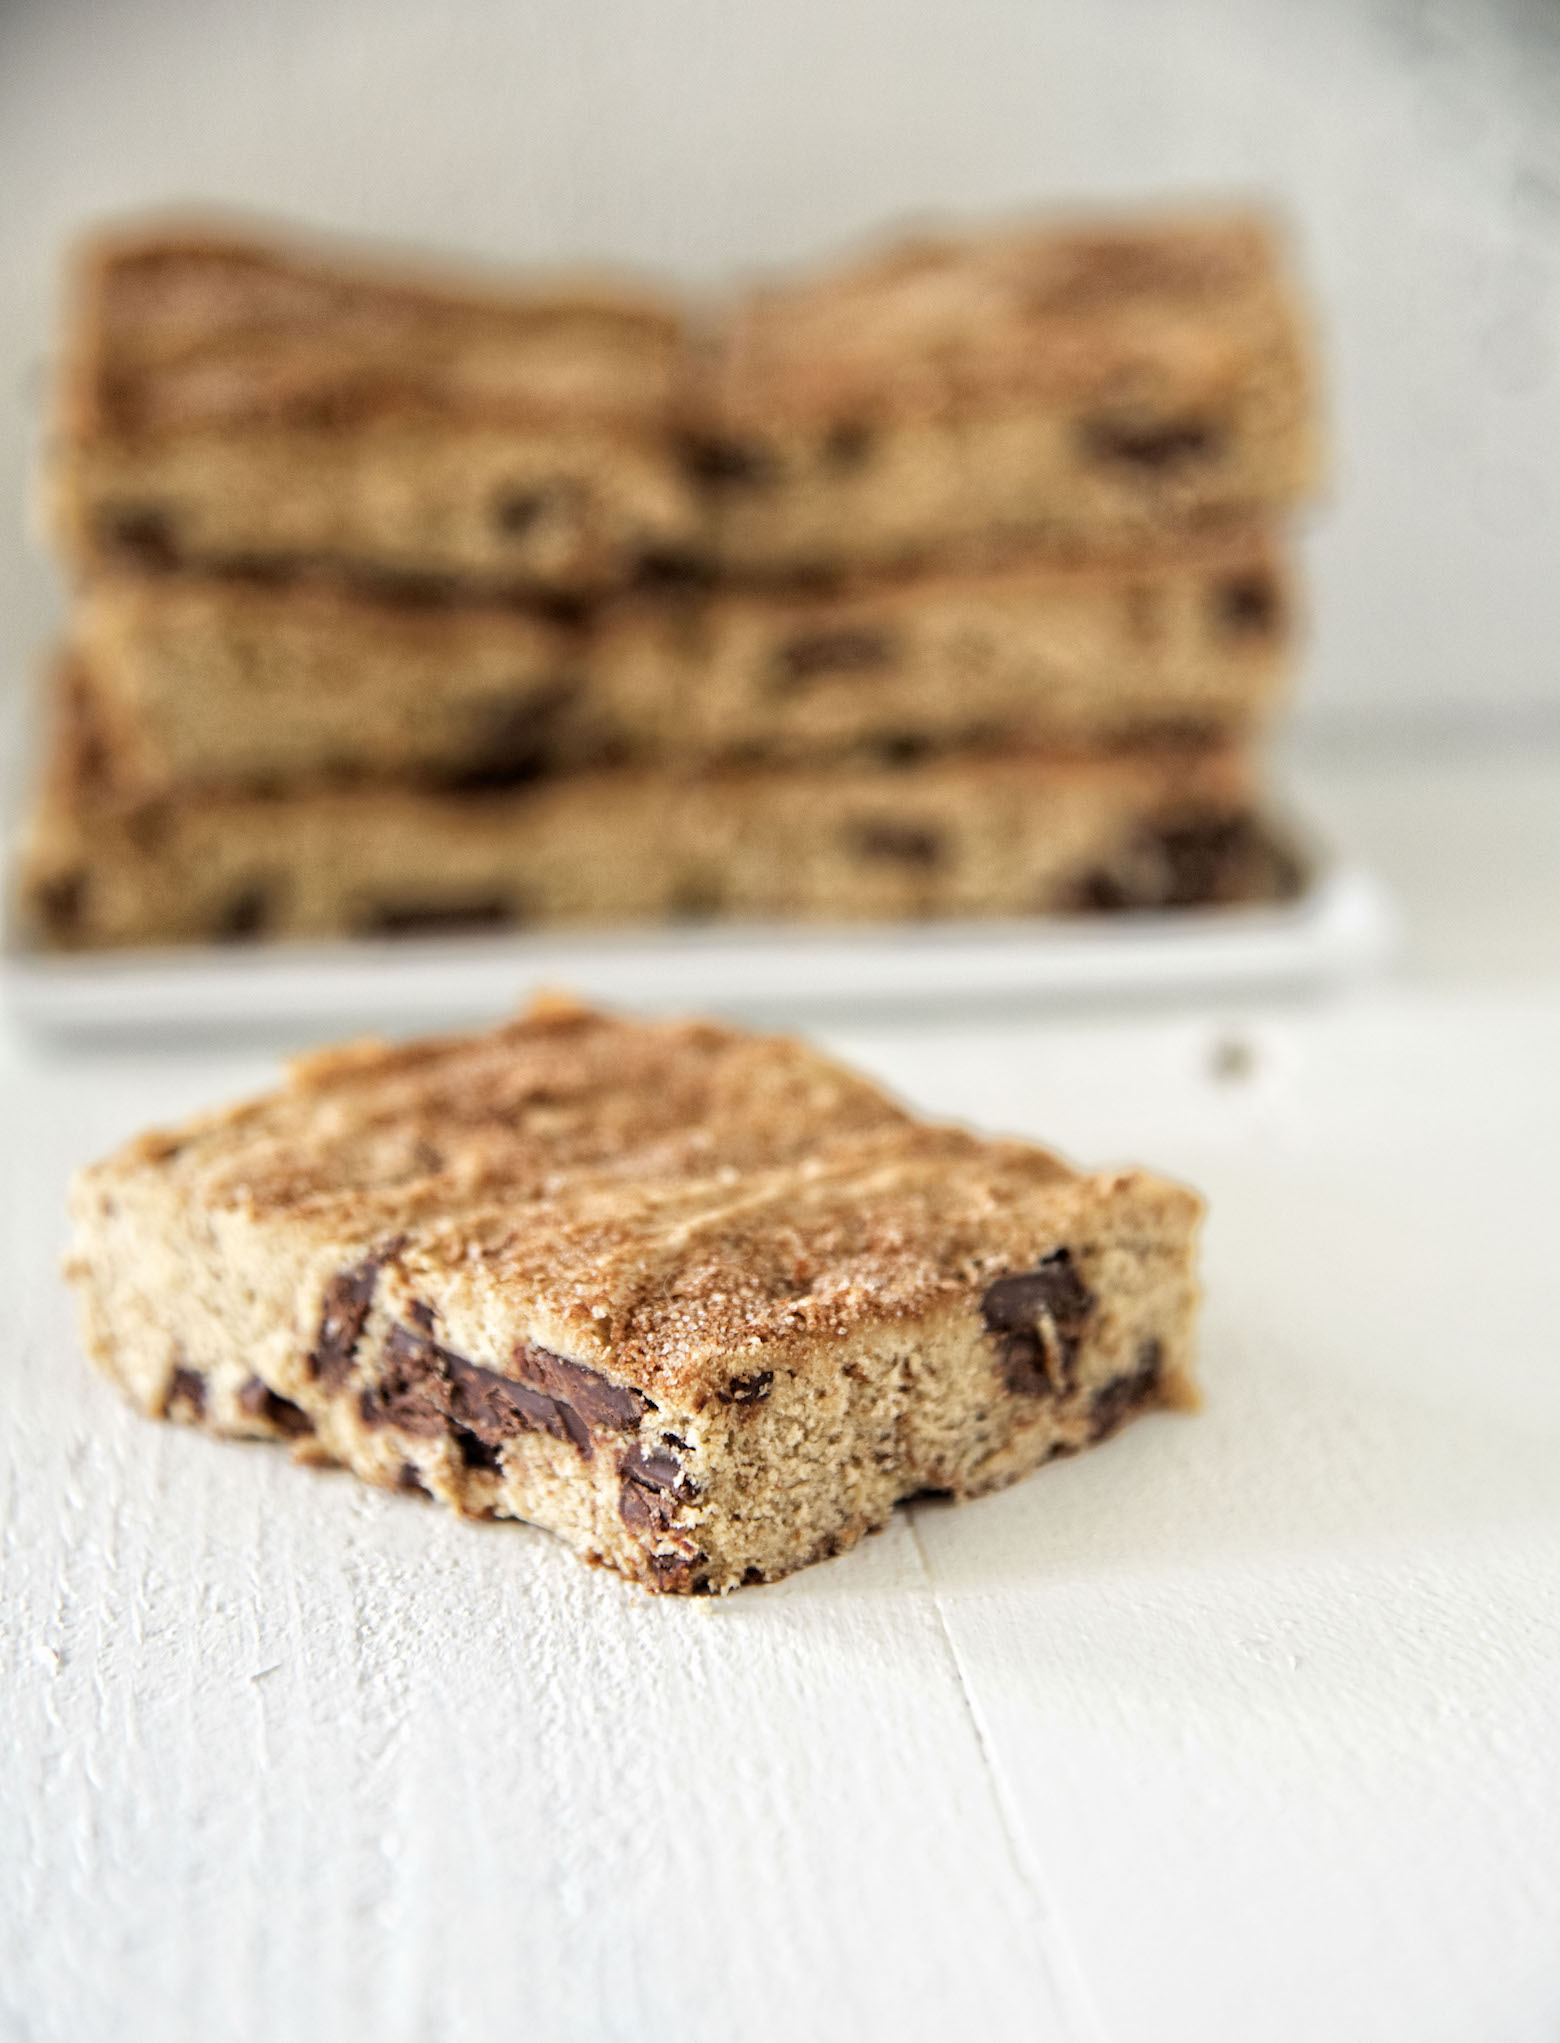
x,y
951,584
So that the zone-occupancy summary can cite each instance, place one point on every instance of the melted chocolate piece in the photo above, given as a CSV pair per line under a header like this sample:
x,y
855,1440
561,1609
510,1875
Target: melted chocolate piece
x,y
638,1511
1118,1399
1153,446
426,1388
659,1471
188,1388
605,1407
342,1317
1040,1316
261,1402
747,1390
409,1478
849,649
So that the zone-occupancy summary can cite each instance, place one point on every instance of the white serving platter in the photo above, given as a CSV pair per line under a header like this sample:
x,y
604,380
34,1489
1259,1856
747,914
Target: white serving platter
x,y
1340,929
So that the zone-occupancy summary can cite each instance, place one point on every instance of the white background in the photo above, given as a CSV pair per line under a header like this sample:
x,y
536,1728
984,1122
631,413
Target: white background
x,y
1416,146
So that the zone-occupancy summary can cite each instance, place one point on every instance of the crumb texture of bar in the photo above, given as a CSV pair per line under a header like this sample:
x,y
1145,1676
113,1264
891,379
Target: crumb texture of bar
x,y
965,834
1078,381
702,1303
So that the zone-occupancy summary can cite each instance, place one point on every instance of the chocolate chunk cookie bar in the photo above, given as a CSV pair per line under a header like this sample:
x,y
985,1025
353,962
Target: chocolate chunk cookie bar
x,y
229,404
1185,640
1072,383
210,680
701,1303
201,680
969,834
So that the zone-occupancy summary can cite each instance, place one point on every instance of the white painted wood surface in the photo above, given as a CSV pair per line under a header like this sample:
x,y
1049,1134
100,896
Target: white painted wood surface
x,y
1247,1726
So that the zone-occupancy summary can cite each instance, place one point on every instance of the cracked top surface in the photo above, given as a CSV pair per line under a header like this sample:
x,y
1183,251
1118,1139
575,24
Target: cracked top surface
x,y
196,327
1048,314
673,1197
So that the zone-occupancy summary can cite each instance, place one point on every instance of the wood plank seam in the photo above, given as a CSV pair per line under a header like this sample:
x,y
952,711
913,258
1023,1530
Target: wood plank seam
x,y
1069,1987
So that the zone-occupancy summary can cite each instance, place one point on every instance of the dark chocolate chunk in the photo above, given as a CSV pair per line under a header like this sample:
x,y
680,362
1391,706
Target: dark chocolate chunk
x,y
423,918
635,1506
187,1388
605,1407
849,444
846,649
342,1316
144,533
657,1471
1040,1316
1154,446
747,1390
421,1314
898,843
728,463
1197,860
1247,604
410,1479
426,1388
1116,1400
411,1390
261,1402
244,917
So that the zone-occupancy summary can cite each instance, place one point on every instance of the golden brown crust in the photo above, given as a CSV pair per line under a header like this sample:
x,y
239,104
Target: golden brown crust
x,y
944,325
185,325
680,1194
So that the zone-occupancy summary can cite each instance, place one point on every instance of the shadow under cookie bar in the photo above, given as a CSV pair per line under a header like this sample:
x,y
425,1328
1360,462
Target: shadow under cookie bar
x,y
229,404
968,835
1079,383
702,1304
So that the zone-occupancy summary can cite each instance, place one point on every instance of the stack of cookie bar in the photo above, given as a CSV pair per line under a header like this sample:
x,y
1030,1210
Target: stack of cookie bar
x,y
947,585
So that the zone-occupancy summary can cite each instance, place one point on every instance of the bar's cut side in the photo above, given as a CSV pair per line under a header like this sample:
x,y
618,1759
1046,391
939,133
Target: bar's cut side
x,y
701,1303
